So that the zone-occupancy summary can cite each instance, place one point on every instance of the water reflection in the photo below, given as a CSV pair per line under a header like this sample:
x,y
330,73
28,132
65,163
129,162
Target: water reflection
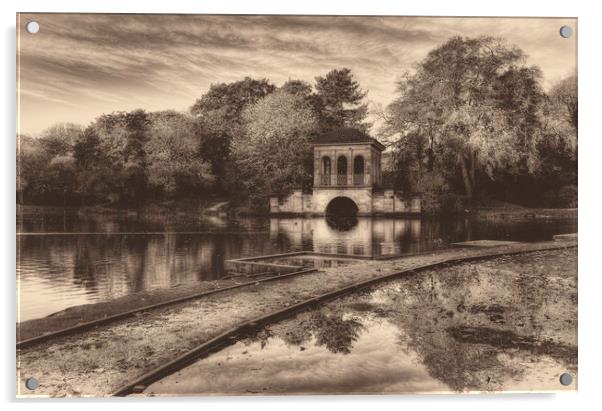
x,y
323,329
67,258
366,236
496,328
247,369
340,222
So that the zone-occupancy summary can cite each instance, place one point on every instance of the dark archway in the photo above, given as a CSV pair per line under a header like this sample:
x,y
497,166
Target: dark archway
x,y
342,206
342,171
341,213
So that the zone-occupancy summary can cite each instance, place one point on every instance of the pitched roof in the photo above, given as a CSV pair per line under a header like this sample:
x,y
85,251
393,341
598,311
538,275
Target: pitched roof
x,y
347,135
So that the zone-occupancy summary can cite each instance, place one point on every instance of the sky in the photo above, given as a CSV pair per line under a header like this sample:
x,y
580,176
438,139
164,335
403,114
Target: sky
x,y
79,66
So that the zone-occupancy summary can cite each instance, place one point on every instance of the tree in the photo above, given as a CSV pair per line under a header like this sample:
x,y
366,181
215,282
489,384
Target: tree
x,y
340,101
564,97
137,125
475,101
58,139
274,156
45,166
61,177
86,149
231,98
556,180
31,163
219,117
123,136
175,164
97,177
297,87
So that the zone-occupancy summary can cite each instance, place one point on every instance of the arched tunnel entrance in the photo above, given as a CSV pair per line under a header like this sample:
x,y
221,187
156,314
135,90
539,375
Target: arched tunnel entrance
x,y
343,206
341,213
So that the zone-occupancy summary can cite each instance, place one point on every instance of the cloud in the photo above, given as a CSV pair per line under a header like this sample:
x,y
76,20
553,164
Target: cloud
x,y
81,65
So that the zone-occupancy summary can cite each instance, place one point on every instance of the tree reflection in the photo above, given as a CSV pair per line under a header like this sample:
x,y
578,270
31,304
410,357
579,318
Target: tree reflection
x,y
461,319
328,328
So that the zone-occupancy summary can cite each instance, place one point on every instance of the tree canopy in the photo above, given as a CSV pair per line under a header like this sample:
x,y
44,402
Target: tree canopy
x,y
274,155
218,113
472,104
340,101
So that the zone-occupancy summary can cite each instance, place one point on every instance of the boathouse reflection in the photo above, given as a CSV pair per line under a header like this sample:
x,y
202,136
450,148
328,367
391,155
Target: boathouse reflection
x,y
368,237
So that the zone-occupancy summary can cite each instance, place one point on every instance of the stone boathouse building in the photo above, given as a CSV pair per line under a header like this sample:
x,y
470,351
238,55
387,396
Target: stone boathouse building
x,y
347,180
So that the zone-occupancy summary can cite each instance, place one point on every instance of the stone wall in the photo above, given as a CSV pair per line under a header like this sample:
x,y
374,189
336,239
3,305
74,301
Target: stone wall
x,y
391,202
367,201
294,203
362,197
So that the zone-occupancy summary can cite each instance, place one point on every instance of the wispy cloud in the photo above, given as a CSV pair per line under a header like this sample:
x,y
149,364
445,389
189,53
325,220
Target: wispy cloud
x,y
81,65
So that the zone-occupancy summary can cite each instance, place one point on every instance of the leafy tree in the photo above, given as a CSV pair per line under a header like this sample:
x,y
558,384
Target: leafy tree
x,y
556,180
175,164
58,139
86,149
31,163
60,176
137,125
97,177
231,98
214,146
112,133
474,102
123,136
564,97
274,156
340,100
219,117
45,166
297,87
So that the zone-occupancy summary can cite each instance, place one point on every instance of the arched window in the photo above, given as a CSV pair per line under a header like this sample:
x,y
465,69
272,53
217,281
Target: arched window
x,y
326,170
358,170
342,171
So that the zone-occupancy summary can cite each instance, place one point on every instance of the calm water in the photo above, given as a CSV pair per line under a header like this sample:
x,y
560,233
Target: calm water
x,y
65,258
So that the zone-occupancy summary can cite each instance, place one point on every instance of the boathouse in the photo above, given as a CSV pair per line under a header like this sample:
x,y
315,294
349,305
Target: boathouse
x,y
347,180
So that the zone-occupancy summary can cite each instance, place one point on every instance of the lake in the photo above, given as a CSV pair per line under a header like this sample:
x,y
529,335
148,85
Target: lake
x,y
67,257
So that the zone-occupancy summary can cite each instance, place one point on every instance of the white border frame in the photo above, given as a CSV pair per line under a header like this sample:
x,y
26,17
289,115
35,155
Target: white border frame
x,y
589,198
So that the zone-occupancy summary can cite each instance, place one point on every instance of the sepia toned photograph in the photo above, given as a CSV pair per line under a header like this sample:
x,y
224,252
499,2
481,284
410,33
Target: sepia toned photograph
x,y
260,205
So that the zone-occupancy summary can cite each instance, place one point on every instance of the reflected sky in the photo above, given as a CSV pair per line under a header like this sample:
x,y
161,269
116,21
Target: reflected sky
x,y
374,364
